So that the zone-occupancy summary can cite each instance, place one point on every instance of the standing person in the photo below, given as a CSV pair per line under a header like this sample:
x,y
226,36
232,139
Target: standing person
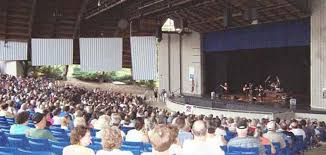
x,y
163,95
155,94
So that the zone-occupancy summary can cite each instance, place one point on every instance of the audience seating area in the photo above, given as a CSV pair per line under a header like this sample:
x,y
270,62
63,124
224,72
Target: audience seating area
x,y
21,145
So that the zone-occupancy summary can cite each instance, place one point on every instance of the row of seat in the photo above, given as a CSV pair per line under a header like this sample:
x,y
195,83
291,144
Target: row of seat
x,y
298,147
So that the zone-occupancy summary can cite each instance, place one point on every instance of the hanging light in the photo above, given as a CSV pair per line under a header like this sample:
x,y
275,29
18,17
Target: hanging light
x,y
99,3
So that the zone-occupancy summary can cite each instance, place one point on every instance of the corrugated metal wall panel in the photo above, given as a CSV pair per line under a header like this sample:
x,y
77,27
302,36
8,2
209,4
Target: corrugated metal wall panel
x,y
52,52
13,50
318,54
143,55
100,54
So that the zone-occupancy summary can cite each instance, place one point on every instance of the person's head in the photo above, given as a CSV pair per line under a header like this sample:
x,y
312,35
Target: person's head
x,y
4,106
271,126
199,129
303,122
115,119
174,133
258,132
56,112
65,121
39,120
242,128
161,119
180,122
139,124
160,138
211,126
102,122
111,138
284,126
22,118
80,135
294,125
79,121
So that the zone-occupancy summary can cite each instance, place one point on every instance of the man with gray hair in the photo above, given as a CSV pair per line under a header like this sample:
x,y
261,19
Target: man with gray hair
x,y
199,145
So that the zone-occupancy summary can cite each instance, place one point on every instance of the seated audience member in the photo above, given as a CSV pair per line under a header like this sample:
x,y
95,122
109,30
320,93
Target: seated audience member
x,y
219,131
243,141
39,121
127,122
161,140
115,121
211,137
11,108
284,129
4,111
175,148
183,133
273,136
79,139
102,122
21,124
252,127
199,145
308,129
111,142
296,130
79,121
137,134
56,118
65,121
264,141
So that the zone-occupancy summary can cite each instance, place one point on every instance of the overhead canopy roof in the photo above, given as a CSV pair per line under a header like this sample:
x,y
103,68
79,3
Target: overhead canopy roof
x,y
22,19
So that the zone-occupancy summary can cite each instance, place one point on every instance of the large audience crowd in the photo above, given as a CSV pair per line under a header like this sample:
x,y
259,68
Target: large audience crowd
x,y
79,111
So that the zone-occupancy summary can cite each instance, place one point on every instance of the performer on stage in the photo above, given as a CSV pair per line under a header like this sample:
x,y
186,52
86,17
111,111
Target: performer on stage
x,y
245,89
225,88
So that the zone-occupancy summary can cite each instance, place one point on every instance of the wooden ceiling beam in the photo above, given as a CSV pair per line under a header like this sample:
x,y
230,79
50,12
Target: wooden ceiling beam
x,y
5,16
79,18
213,19
31,19
106,8
171,7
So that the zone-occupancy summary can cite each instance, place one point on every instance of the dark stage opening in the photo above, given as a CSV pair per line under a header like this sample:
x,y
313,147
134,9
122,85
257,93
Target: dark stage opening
x,y
290,64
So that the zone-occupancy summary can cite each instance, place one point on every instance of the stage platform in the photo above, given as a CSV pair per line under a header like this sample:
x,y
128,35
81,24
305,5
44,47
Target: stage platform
x,y
233,108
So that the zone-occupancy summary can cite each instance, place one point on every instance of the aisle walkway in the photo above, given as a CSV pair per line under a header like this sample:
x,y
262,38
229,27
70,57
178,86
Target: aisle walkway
x,y
317,151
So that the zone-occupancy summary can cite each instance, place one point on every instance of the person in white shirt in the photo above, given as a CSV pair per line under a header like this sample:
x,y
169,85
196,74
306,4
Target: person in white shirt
x,y
111,142
297,131
137,134
212,138
219,131
56,118
199,145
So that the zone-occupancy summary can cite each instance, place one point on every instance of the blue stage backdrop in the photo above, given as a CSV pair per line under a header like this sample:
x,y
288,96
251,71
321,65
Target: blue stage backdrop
x,y
281,34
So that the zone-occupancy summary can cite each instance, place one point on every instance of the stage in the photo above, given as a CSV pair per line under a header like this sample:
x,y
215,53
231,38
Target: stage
x,y
245,106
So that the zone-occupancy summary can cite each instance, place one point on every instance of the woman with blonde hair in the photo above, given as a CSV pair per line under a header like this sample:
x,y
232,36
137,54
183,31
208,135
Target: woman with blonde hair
x,y
111,142
102,123
80,138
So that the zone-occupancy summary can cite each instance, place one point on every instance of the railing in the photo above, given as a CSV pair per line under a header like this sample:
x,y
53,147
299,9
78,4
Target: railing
x,y
223,109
